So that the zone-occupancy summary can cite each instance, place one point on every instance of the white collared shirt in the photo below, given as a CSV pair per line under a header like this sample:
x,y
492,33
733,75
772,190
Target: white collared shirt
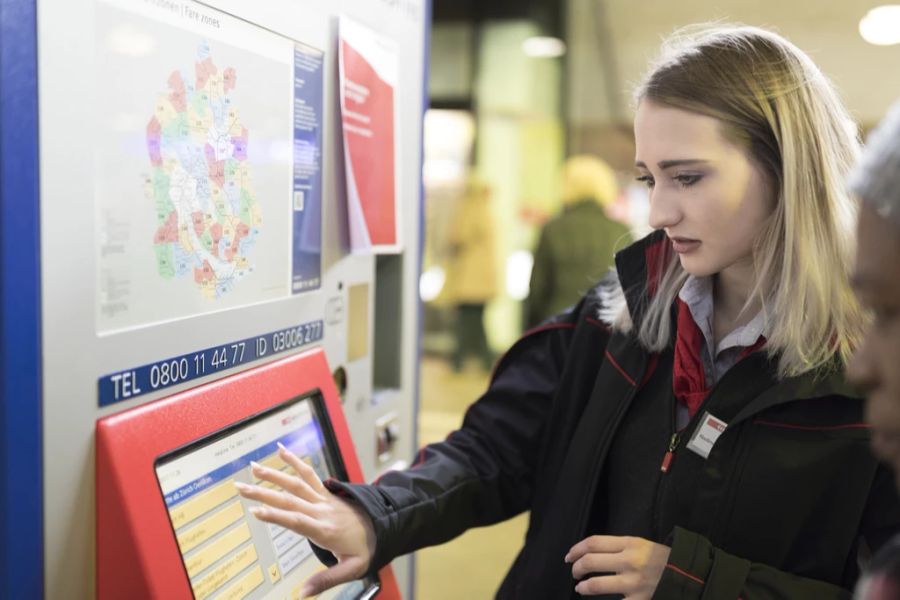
x,y
697,294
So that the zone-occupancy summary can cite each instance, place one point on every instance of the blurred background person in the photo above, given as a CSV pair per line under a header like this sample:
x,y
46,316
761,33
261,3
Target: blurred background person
x,y
471,272
876,279
576,247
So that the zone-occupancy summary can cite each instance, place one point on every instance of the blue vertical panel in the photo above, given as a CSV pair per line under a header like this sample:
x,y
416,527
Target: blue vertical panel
x,y
21,473
307,189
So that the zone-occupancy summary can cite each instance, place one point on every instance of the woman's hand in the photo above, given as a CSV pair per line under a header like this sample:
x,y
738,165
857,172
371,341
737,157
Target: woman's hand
x,y
305,506
634,565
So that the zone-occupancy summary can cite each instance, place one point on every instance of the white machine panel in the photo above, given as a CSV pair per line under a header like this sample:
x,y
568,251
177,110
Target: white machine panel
x,y
181,245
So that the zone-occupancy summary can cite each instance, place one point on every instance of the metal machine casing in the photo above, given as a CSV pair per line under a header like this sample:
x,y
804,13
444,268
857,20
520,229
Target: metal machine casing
x,y
56,356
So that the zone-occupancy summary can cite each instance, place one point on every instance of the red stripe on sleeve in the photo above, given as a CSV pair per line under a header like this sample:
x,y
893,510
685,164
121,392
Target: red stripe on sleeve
x,y
685,574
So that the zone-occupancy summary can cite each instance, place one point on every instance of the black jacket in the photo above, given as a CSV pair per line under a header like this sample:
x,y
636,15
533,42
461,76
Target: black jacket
x,y
574,427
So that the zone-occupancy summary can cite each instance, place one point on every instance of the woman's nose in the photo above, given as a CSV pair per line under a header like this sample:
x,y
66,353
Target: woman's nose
x,y
664,211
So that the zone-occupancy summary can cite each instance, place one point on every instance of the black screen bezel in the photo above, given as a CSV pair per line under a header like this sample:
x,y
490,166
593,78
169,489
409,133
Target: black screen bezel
x,y
333,457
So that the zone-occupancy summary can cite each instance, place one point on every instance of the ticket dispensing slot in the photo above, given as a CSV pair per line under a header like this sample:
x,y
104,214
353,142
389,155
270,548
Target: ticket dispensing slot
x,y
170,522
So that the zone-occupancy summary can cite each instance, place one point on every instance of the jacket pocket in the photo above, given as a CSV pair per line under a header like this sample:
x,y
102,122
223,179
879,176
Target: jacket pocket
x,y
798,496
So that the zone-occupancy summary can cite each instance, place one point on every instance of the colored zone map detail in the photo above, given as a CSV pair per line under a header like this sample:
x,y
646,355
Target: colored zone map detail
x,y
207,213
196,172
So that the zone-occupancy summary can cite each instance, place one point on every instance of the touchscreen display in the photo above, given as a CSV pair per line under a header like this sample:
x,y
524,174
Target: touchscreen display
x,y
227,553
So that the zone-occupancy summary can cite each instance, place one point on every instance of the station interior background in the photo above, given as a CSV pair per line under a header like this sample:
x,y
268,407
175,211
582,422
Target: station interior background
x,y
510,110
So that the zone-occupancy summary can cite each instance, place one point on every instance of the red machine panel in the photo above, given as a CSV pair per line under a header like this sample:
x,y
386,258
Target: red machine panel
x,y
169,524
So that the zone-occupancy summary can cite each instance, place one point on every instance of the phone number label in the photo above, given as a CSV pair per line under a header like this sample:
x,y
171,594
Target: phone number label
x,y
129,384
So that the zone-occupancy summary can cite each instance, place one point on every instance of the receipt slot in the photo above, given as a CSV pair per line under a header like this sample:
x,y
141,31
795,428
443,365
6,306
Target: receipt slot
x,y
169,521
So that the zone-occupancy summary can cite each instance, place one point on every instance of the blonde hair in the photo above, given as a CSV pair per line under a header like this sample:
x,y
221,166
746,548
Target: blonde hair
x,y
776,104
586,176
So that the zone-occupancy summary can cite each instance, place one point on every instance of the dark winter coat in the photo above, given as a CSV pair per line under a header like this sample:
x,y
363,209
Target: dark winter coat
x,y
574,427
575,249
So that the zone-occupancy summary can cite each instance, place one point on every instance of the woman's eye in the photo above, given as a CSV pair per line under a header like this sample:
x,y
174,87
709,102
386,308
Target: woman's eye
x,y
645,179
687,180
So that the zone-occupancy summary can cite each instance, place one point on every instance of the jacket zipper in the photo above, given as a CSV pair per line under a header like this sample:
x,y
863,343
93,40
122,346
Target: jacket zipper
x,y
665,466
670,453
691,424
669,456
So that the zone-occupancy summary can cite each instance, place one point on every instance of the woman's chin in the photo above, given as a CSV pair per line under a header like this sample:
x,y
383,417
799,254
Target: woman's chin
x,y
695,265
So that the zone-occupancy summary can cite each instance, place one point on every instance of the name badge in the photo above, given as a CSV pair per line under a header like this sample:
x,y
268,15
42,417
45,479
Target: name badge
x,y
705,436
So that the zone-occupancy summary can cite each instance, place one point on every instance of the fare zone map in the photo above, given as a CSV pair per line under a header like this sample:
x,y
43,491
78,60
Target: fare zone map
x,y
207,132
207,213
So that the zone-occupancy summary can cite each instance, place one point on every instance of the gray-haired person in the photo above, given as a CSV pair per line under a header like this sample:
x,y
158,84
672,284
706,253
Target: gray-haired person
x,y
876,181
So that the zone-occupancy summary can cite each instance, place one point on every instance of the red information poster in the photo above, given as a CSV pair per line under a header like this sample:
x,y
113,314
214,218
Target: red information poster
x,y
368,83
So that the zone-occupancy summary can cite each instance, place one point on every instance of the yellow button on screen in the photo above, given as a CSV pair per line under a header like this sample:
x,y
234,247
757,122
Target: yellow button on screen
x,y
225,572
243,586
189,510
205,529
215,550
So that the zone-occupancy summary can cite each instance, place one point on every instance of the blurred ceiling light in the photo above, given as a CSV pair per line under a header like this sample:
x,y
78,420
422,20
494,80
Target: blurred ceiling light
x,y
449,135
431,282
441,171
543,47
881,25
518,274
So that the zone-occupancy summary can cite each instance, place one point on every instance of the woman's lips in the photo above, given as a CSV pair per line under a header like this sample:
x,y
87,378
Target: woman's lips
x,y
684,245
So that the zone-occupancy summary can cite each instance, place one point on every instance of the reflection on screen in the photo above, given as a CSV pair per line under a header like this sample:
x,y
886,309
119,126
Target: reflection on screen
x,y
227,553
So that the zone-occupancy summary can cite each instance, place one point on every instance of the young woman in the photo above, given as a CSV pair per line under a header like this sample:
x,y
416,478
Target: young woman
x,y
684,431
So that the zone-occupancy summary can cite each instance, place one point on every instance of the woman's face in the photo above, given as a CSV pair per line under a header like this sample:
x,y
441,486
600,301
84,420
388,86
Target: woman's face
x,y
874,367
705,192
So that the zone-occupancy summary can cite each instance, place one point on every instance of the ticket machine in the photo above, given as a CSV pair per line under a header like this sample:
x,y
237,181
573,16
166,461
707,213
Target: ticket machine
x,y
211,218
170,523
